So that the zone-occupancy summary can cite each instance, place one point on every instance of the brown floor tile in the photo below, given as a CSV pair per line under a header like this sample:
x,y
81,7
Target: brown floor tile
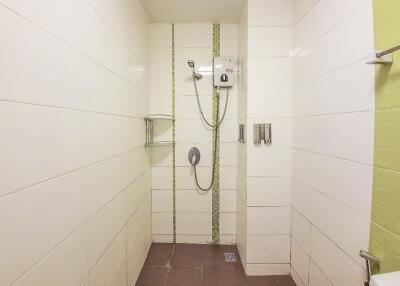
x,y
160,254
152,276
185,277
188,255
213,255
199,265
260,281
223,276
285,280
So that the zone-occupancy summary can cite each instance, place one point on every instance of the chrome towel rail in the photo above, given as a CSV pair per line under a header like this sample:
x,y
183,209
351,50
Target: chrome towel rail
x,y
372,263
388,51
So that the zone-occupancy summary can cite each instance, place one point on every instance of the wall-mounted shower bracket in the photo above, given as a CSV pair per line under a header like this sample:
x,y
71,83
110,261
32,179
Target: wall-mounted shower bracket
x,y
377,58
262,132
150,119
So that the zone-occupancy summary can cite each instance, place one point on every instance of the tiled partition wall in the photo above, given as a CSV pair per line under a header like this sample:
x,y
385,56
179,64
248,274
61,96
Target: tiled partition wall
x,y
74,187
333,141
193,208
265,170
241,197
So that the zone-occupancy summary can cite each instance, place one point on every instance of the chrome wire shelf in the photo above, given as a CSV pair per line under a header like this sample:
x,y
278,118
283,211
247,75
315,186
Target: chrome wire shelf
x,y
150,119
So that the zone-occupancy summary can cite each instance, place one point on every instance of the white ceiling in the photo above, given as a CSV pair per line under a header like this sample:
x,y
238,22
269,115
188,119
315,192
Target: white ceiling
x,y
193,11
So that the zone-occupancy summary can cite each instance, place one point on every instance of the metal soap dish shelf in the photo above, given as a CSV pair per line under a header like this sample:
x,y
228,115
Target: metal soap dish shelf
x,y
150,129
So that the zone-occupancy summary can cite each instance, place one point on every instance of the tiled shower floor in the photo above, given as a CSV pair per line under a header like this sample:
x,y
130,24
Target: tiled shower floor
x,y
199,265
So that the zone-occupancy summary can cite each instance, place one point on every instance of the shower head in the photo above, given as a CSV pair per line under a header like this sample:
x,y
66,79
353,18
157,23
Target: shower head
x,y
196,76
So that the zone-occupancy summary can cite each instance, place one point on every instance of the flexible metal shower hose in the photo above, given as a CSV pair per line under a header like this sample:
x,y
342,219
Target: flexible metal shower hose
x,y
215,129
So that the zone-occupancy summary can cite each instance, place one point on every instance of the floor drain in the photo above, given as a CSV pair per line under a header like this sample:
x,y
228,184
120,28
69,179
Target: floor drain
x,y
230,257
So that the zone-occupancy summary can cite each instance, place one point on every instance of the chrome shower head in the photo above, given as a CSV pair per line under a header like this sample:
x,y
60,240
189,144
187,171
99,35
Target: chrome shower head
x,y
196,76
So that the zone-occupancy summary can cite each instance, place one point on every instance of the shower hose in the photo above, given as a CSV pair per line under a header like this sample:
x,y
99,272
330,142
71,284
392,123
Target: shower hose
x,y
215,129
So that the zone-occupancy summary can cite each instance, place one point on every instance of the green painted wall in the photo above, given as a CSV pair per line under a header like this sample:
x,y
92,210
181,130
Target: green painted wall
x,y
385,227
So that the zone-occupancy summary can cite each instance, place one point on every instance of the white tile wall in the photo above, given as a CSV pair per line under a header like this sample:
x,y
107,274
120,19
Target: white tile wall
x,y
193,207
333,140
241,179
300,260
266,97
75,172
268,249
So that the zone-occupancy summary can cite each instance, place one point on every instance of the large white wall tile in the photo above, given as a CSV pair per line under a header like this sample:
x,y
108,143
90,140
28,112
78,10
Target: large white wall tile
x,y
268,220
268,249
339,268
270,13
270,72
75,108
270,41
268,191
300,261
194,223
104,226
267,269
64,198
317,278
301,7
36,150
65,265
107,268
271,102
229,35
196,35
301,230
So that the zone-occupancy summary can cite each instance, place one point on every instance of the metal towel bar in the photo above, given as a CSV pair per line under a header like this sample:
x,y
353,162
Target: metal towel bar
x,y
388,51
372,263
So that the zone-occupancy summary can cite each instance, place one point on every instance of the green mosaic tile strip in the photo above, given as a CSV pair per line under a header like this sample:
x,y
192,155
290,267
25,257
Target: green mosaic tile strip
x,y
385,226
173,138
215,188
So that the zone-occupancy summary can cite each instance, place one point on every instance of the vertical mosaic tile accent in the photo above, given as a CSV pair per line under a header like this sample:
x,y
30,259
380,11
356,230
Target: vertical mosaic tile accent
x,y
215,188
385,226
173,138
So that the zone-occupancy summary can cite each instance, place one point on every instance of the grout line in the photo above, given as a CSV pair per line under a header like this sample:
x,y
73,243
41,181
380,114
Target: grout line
x,y
306,13
331,240
385,229
69,108
68,172
328,73
340,22
332,156
173,50
332,114
323,273
69,45
270,26
112,30
292,268
76,229
333,199
107,248
325,74
192,212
